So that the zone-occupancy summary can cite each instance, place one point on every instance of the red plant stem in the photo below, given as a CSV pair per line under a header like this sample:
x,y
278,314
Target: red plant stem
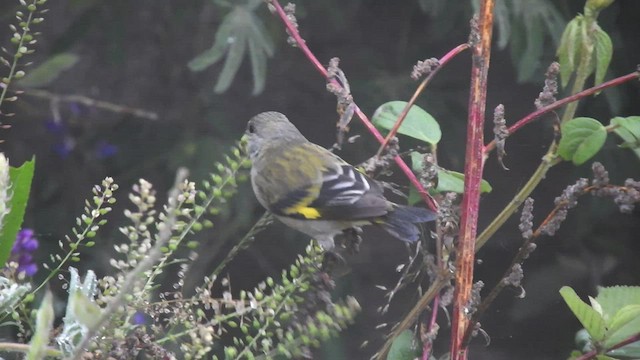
x,y
481,55
593,353
575,97
428,345
401,164
293,32
441,63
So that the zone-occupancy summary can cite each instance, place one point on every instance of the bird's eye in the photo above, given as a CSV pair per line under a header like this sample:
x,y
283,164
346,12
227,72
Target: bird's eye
x,y
250,128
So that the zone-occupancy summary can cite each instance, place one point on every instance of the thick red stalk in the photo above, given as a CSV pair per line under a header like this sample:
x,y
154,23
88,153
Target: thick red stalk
x,y
481,54
293,32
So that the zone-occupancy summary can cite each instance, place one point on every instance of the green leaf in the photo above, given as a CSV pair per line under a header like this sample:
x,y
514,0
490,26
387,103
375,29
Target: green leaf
x,y
208,57
49,70
582,138
597,5
240,30
625,323
629,130
630,351
569,49
260,48
416,161
414,196
44,325
604,51
588,317
416,165
404,347
20,186
619,308
453,181
85,310
232,63
613,298
574,355
258,66
219,48
604,357
448,181
418,124
533,24
503,24
530,58
260,35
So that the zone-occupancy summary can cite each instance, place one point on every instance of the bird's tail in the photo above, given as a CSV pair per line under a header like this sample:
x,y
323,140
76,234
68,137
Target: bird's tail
x,y
401,222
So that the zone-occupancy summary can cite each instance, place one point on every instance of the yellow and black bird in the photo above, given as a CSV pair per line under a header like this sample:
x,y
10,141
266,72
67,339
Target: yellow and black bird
x,y
314,191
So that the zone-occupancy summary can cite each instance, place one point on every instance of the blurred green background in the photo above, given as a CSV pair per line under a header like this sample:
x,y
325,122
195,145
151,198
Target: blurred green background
x,y
136,54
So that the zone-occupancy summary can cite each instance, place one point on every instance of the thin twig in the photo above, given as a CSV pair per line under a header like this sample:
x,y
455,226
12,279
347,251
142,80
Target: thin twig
x,y
441,281
247,239
569,99
593,353
441,63
428,345
89,102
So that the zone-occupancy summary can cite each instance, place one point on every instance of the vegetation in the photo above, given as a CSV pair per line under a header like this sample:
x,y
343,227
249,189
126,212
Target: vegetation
x,y
153,284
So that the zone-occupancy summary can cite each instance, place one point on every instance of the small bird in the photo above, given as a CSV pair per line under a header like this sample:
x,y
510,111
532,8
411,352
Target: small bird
x,y
314,191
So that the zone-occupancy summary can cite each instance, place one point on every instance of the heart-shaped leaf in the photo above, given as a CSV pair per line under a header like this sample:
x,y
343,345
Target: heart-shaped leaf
x,y
418,124
582,138
404,347
629,130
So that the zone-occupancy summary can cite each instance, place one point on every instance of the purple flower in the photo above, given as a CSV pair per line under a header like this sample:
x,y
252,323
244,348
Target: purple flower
x,y
26,240
55,127
139,318
75,108
22,252
63,148
105,150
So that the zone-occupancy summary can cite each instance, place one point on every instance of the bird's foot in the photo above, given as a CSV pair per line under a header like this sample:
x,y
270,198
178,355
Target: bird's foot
x,y
352,239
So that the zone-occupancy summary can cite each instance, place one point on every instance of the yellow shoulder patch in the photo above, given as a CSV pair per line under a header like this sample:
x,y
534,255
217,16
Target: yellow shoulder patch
x,y
308,212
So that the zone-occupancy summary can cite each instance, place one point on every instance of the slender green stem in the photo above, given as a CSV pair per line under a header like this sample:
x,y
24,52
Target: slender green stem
x,y
200,210
12,70
518,199
74,247
261,224
24,348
